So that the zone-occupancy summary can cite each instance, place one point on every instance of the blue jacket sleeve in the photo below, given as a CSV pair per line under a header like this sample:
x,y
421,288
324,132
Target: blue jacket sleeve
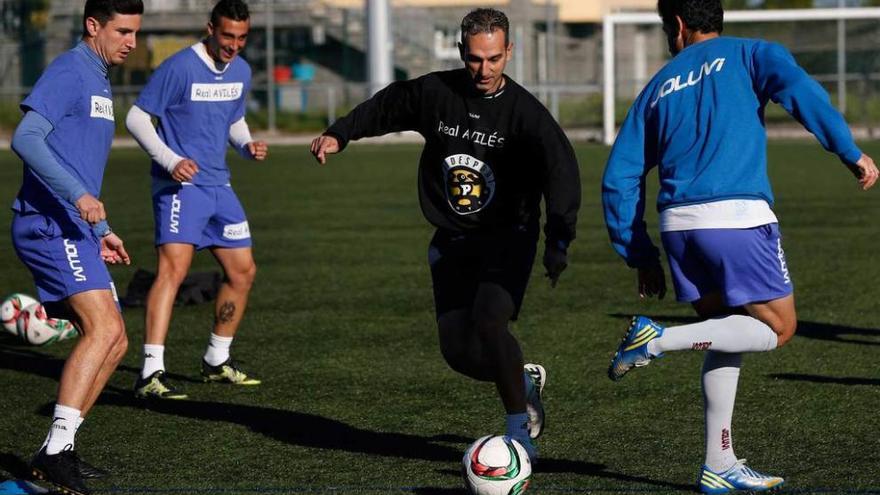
x,y
29,142
623,192
778,77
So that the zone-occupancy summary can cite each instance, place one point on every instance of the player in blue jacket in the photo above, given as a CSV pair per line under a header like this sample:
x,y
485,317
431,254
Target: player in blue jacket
x,y
700,121
59,227
198,98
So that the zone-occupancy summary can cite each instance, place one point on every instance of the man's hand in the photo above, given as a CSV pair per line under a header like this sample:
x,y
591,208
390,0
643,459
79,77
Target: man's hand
x,y
324,145
555,261
865,171
112,250
184,170
90,209
258,149
652,281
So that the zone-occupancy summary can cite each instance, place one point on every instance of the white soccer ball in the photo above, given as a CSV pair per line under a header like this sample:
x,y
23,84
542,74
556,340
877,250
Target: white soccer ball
x,y
70,331
11,308
36,328
496,465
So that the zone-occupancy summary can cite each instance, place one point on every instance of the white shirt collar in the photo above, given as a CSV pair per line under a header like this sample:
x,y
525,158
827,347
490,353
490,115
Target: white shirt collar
x,y
202,52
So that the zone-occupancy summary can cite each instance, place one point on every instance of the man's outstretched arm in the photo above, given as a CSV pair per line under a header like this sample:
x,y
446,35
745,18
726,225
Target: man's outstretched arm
x,y
779,78
394,109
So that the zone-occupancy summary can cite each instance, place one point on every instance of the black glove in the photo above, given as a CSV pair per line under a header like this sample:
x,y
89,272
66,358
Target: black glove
x,y
652,281
555,261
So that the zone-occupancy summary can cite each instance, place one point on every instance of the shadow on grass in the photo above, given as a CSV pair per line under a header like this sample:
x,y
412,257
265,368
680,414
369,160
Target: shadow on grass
x,y
835,333
296,428
319,432
843,380
806,329
21,357
16,467
439,491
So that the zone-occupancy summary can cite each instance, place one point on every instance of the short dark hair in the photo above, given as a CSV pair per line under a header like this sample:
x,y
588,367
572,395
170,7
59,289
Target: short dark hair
x,y
235,10
705,16
484,21
104,10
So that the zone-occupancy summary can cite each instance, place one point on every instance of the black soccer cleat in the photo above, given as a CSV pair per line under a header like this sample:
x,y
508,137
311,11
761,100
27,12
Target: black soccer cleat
x,y
88,471
62,470
156,386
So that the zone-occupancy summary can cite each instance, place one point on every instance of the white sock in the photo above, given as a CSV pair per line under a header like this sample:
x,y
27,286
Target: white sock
x,y
78,424
720,376
218,349
734,333
154,359
63,430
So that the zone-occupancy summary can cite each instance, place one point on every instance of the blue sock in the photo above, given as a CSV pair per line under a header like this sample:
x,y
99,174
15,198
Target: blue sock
x,y
517,426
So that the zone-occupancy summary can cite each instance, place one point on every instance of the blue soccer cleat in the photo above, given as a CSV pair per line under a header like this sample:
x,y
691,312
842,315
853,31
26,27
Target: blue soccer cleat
x,y
633,349
739,477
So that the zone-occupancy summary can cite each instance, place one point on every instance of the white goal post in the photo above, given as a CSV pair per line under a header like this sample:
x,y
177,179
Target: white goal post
x,y
611,20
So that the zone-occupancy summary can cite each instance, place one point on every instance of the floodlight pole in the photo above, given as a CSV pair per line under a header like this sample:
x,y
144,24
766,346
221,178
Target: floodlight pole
x,y
841,60
379,68
270,64
608,80
552,76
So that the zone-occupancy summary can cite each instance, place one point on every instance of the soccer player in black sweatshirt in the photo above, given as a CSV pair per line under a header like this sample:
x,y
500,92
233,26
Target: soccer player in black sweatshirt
x,y
491,152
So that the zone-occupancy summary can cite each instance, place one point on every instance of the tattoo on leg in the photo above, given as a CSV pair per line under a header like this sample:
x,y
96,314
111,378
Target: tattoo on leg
x,y
226,312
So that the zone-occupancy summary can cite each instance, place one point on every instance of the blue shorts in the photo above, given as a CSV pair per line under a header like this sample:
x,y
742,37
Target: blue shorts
x,y
62,253
744,265
204,216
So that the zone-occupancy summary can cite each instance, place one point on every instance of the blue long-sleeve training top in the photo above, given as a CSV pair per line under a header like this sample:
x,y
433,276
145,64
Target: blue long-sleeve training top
x,y
701,121
29,142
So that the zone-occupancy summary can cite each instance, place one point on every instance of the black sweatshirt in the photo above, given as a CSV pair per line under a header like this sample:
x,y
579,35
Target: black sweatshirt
x,y
487,159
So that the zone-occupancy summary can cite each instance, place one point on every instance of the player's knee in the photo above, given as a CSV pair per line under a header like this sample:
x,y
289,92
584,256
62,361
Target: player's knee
x,y
454,356
119,348
106,331
453,329
172,275
785,330
450,346
493,307
115,332
491,317
243,278
250,274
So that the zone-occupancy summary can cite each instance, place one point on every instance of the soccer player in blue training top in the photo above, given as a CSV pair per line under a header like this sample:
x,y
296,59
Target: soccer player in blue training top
x,y
198,97
700,120
491,151
59,227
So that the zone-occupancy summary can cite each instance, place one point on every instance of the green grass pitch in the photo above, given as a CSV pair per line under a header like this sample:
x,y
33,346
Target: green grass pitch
x,y
357,399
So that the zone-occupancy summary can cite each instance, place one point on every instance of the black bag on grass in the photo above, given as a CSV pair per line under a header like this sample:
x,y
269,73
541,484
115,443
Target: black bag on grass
x,y
197,288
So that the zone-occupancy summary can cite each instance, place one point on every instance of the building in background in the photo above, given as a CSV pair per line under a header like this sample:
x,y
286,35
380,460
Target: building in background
x,y
558,51
331,34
